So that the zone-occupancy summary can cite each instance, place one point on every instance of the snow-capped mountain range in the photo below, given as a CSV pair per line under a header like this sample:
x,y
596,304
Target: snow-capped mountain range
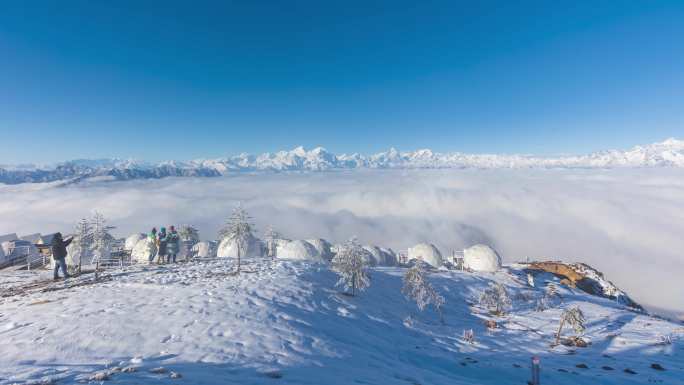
x,y
669,153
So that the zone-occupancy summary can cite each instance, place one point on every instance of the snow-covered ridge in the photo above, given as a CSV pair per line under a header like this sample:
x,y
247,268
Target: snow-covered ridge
x,y
284,322
669,153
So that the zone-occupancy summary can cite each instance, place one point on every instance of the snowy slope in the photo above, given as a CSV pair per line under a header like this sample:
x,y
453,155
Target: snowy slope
x,y
669,153
284,323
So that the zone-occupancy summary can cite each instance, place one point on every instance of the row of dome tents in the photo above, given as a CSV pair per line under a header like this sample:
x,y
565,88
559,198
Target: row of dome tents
x,y
142,249
475,258
318,250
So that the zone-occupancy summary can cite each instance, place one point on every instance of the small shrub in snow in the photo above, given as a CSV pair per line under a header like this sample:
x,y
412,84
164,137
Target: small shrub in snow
x,y
417,288
573,317
271,237
238,229
550,298
552,290
495,299
469,336
349,263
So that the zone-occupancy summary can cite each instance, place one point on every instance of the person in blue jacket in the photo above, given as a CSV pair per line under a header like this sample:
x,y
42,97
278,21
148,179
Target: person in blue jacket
x,y
162,243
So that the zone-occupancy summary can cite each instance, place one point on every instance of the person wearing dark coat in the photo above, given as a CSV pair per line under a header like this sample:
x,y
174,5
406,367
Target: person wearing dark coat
x,y
59,254
172,246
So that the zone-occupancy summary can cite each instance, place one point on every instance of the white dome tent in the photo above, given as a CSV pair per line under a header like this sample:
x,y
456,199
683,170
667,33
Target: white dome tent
x,y
144,249
203,249
74,256
228,248
323,247
381,256
298,250
133,240
427,253
481,258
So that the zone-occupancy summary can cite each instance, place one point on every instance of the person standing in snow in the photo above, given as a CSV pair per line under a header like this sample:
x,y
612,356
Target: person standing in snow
x,y
162,243
152,243
172,246
59,253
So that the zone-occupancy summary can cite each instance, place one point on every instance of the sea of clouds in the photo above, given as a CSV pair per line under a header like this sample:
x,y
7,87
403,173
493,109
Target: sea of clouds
x,y
628,223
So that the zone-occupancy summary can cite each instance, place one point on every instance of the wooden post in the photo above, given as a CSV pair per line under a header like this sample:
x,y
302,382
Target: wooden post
x,y
535,370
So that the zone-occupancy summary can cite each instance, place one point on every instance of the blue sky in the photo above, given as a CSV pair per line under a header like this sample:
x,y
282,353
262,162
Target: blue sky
x,y
160,80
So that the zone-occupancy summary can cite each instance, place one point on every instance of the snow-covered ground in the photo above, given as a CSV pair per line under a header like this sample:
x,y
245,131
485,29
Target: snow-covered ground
x,y
283,322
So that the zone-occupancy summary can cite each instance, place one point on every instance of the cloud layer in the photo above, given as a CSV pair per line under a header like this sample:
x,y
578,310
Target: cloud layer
x,y
628,223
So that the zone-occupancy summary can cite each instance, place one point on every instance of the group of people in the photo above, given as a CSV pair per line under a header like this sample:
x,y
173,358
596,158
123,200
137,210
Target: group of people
x,y
168,244
167,247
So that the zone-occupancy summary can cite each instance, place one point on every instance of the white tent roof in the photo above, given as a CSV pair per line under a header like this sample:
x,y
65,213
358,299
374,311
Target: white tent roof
x,y
380,256
323,248
203,249
228,249
427,253
481,258
143,250
132,240
301,250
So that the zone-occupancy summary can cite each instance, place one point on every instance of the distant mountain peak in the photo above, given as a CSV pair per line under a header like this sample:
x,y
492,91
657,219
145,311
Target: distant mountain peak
x,y
668,153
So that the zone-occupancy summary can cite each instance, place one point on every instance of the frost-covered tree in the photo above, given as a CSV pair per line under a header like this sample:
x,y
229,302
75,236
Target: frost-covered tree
x,y
83,241
189,236
238,229
495,298
101,238
188,233
550,298
418,288
271,236
573,317
349,263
